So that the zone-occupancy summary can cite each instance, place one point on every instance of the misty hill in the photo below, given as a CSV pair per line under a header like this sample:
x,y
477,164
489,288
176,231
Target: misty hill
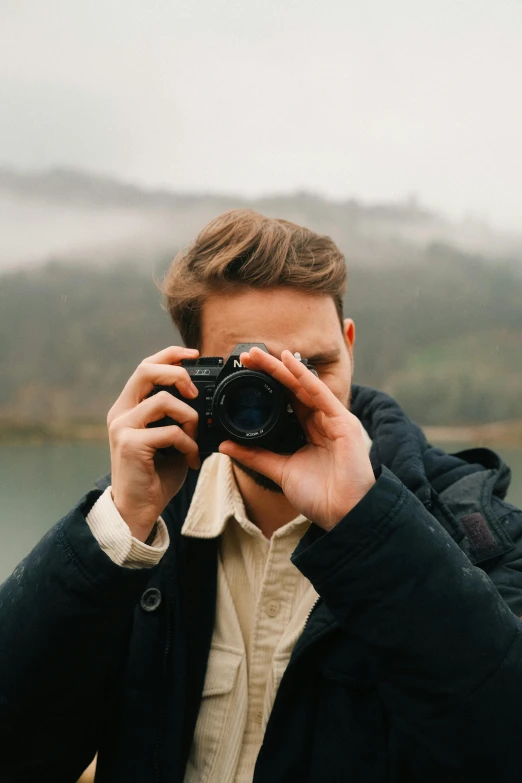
x,y
95,220
442,334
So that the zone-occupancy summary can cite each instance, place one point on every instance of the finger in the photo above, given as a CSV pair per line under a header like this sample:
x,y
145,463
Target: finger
x,y
262,461
258,359
163,437
322,398
155,408
146,376
172,355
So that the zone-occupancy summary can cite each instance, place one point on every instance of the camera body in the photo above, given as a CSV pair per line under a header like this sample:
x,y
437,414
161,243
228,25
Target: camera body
x,y
234,403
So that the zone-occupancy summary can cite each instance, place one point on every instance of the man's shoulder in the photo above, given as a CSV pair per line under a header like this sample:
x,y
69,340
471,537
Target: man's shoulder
x,y
484,480
488,525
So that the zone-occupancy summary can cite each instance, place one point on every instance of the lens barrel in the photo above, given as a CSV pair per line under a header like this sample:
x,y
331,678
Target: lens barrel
x,y
248,405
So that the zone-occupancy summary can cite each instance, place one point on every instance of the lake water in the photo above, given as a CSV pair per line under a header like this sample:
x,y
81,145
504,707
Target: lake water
x,y
39,484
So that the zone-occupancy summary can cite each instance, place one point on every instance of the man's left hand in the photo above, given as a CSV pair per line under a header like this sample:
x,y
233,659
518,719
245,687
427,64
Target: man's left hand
x,y
326,478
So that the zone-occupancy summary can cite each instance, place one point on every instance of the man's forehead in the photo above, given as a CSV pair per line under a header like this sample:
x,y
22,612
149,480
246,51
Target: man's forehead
x,y
307,341
281,319
325,351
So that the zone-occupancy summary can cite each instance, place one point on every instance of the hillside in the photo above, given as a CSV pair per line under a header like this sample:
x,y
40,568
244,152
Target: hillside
x,y
443,335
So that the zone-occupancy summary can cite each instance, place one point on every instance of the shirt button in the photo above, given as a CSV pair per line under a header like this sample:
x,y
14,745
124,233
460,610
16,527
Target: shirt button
x,y
272,609
150,600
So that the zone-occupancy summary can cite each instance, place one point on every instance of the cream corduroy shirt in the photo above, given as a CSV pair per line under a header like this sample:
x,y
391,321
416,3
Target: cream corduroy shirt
x,y
263,602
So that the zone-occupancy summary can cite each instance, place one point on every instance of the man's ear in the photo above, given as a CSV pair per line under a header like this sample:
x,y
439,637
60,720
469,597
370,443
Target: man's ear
x,y
349,335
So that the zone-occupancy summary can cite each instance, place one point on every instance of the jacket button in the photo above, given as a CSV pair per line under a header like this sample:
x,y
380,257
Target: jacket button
x,y
150,600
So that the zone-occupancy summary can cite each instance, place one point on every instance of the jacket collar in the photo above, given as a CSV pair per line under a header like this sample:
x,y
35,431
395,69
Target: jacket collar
x,y
401,445
458,489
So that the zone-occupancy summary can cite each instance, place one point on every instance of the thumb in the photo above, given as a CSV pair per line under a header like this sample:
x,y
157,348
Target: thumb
x,y
262,461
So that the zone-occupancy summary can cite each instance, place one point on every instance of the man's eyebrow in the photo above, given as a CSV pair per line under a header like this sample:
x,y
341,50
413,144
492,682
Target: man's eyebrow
x,y
326,356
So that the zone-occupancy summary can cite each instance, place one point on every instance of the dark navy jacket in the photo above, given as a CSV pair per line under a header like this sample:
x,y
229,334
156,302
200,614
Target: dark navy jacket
x,y
409,667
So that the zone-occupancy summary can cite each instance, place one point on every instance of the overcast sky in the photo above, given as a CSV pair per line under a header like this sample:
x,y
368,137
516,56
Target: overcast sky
x,y
373,99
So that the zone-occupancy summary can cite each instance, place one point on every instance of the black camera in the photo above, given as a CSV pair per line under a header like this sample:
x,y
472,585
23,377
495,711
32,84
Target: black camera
x,y
234,403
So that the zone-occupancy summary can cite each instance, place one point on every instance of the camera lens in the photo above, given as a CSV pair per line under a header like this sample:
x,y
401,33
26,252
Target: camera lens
x,y
248,408
248,405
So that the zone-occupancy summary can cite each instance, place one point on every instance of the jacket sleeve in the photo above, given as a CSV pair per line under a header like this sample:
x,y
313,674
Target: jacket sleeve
x,y
444,647
64,616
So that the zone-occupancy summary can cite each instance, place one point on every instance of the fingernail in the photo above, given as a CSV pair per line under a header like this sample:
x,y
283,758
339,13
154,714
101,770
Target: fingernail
x,y
193,389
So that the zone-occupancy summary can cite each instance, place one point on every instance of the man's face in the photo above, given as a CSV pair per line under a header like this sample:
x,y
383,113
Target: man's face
x,y
282,318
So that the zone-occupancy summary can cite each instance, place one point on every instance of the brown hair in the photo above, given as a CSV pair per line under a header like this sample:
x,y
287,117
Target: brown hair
x,y
242,248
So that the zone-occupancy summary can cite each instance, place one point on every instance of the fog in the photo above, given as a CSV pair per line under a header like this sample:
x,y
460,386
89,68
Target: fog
x,y
372,100
78,218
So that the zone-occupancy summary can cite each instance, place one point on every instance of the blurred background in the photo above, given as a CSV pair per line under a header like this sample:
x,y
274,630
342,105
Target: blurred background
x,y
126,126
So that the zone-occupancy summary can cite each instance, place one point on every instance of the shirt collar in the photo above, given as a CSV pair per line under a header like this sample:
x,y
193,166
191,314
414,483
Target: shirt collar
x,y
215,500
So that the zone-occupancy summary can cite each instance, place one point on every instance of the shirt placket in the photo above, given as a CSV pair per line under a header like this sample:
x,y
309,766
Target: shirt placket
x,y
272,614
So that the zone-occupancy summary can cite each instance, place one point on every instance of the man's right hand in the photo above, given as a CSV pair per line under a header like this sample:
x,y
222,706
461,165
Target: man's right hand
x,y
143,480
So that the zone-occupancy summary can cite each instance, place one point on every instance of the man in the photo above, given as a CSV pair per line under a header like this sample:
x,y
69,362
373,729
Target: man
x,y
348,612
